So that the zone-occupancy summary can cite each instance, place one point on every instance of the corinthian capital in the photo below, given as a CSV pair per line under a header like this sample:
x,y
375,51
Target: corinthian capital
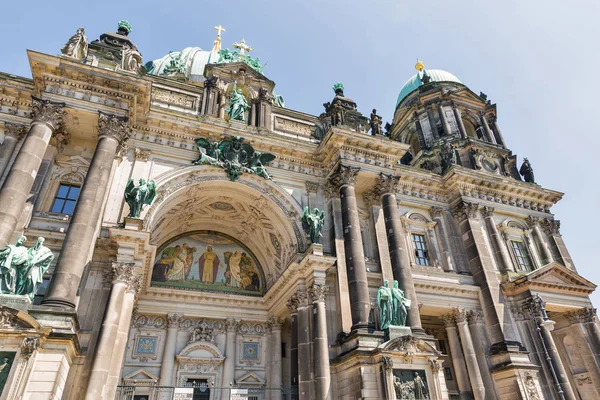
x,y
581,315
551,226
342,176
47,111
436,212
464,210
318,292
173,320
123,272
17,130
487,211
386,184
274,323
292,304
113,126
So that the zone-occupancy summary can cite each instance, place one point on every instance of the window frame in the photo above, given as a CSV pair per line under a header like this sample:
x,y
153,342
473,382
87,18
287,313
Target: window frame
x,y
515,230
527,256
65,199
416,223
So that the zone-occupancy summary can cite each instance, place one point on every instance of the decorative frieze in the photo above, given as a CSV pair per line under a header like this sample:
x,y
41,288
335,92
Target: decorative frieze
x,y
293,127
175,98
47,111
141,154
342,176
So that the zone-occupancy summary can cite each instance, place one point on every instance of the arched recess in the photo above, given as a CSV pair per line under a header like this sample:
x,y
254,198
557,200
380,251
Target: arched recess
x,y
252,210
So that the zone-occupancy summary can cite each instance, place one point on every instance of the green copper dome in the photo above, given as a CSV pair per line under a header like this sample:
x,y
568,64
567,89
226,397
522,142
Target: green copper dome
x,y
435,75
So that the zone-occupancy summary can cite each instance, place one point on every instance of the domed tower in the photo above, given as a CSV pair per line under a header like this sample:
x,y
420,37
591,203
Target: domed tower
x,y
445,123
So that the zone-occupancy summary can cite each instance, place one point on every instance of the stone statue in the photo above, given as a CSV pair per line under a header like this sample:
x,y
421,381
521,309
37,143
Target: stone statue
x,y
22,270
420,389
384,302
447,155
237,104
527,171
312,222
138,196
132,58
76,46
399,306
375,123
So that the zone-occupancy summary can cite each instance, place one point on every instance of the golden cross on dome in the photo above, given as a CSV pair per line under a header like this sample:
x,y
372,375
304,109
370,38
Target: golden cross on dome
x,y
217,43
219,30
243,47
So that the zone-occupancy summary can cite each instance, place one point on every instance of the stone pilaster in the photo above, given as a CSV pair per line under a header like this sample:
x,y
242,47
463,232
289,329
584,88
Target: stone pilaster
x,y
123,276
444,120
47,116
432,123
343,179
481,346
322,376
534,225
458,360
305,362
557,245
275,384
230,357
470,357
75,253
168,356
386,188
437,214
459,122
583,330
292,305
13,133
500,251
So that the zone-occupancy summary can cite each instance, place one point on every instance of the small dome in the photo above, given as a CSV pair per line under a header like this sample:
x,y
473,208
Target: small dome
x,y
189,62
435,75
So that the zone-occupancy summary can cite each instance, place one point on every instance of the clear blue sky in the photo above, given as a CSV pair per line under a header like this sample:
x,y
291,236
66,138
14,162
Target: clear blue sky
x,y
537,60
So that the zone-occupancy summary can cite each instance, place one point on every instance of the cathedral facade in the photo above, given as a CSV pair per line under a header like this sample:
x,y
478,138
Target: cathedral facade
x,y
203,241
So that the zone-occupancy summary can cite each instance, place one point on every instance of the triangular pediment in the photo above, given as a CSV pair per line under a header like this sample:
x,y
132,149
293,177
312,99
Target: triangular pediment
x,y
250,379
553,277
230,72
141,375
74,162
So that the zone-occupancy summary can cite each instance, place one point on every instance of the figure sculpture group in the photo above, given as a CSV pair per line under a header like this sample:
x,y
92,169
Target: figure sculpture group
x,y
139,196
312,222
392,305
415,389
22,269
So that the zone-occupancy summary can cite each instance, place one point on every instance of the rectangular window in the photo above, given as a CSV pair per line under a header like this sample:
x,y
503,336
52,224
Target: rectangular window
x,y
65,200
448,374
421,253
522,255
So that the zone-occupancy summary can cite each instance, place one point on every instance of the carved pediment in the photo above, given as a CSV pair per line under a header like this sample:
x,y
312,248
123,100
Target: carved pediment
x,y
250,379
553,277
409,347
140,375
240,72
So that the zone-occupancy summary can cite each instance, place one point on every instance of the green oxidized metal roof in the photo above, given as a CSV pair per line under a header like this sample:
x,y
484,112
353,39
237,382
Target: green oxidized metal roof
x,y
436,75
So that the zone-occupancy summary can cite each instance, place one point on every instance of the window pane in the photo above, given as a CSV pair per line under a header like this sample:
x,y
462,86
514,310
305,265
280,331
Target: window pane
x,y
521,255
58,205
74,192
62,191
421,256
69,206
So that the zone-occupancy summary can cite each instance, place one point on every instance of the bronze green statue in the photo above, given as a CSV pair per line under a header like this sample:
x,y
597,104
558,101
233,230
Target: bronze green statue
x,y
139,196
399,305
21,269
384,302
237,104
312,222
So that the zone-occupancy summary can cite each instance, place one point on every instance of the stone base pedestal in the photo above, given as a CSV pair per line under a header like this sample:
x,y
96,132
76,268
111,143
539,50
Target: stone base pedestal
x,y
393,331
134,224
18,302
361,339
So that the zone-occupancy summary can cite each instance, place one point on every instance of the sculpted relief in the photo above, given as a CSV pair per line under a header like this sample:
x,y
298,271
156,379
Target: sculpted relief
x,y
208,261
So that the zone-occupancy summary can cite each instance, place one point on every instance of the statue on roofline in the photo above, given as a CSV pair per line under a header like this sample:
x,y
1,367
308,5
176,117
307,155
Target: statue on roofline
x,y
76,46
139,196
375,123
527,171
312,222
238,105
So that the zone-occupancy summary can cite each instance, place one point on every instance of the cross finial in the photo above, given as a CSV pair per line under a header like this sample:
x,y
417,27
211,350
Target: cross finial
x,y
219,30
243,47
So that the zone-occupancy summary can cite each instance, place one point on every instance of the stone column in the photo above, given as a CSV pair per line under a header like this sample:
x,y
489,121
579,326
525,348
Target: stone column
x,y
559,249
47,116
500,251
459,121
486,128
470,358
443,120
305,365
386,188
168,356
122,275
116,361
432,123
481,346
344,178
230,357
275,383
420,133
497,132
438,217
12,134
458,361
81,236
533,223
292,305
322,376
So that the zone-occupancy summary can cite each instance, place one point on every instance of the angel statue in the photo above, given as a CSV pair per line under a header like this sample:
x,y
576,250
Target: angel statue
x,y
237,104
313,223
257,162
76,46
138,196
209,152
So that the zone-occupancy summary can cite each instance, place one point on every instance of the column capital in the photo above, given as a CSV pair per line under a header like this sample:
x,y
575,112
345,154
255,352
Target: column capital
x,y
388,363
551,226
110,125
461,315
449,319
487,211
436,212
343,176
274,323
386,184
141,154
47,112
435,365
232,324
29,345
292,304
464,210
318,292
122,272
475,317
173,320
312,187
302,297
582,315
134,284
532,221
17,130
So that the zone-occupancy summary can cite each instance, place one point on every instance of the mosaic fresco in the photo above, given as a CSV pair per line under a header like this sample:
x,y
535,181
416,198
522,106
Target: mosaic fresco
x,y
208,261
